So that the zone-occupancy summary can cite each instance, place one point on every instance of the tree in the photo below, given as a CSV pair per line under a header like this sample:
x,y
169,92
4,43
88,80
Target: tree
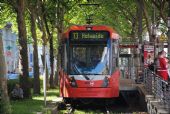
x,y
55,15
161,6
49,21
4,100
41,26
161,14
62,9
19,6
32,11
51,61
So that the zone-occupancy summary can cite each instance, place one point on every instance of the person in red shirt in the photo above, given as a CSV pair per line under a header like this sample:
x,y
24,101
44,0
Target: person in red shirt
x,y
163,66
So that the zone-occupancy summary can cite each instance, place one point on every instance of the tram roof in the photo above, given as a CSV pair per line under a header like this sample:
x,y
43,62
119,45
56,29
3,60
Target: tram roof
x,y
113,33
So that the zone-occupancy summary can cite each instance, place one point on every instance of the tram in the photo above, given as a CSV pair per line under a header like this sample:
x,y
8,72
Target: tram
x,y
89,62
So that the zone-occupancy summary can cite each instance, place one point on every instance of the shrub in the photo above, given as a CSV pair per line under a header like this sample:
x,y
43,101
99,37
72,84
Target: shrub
x,y
4,105
11,84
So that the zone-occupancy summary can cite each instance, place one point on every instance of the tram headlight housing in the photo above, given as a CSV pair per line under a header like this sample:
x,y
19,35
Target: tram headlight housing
x,y
105,82
88,28
72,82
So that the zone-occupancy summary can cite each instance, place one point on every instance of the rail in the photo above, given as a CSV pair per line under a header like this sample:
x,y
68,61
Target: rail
x,y
157,87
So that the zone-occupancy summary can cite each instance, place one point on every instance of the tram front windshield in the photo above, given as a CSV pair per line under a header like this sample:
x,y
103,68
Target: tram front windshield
x,y
89,59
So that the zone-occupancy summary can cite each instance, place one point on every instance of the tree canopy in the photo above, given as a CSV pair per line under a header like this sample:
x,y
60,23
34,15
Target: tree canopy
x,y
122,15
42,22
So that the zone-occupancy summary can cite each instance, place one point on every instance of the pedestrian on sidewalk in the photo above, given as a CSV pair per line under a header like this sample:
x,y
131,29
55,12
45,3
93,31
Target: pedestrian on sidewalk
x,y
162,69
168,57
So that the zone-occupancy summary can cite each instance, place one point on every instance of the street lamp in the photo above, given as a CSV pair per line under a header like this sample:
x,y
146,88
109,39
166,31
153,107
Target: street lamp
x,y
154,29
154,34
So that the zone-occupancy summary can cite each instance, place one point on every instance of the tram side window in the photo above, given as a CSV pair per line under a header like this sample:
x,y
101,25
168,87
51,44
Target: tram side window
x,y
115,54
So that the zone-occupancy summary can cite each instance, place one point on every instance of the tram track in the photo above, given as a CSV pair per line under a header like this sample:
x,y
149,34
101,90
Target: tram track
x,y
69,109
107,111
108,106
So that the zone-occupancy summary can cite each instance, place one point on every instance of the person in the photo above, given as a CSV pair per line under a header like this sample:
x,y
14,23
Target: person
x,y
17,92
168,57
157,61
162,69
149,60
153,65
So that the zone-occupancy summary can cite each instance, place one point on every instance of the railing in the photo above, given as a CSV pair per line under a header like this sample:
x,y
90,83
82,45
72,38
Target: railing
x,y
157,87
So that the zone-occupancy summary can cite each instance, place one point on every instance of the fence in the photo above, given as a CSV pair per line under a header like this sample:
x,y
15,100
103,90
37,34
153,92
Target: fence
x,y
157,87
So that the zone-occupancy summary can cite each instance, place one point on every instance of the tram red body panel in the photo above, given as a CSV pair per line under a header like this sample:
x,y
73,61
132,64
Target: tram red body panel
x,y
86,90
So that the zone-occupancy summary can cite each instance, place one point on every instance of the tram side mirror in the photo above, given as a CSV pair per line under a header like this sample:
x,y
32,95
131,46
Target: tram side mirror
x,y
115,49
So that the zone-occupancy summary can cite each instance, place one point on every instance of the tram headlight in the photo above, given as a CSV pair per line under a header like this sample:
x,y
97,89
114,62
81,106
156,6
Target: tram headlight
x,y
73,82
105,82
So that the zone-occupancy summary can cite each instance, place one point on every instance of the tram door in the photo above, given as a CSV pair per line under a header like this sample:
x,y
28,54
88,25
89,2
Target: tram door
x,y
126,64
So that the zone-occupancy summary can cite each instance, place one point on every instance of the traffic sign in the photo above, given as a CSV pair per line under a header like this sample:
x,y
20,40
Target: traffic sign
x,y
163,38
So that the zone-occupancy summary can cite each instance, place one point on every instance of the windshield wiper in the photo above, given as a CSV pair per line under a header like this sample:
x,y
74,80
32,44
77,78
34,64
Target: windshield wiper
x,y
86,77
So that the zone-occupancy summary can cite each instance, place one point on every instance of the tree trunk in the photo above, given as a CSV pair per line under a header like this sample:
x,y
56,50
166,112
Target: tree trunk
x,y
4,100
50,37
139,34
168,33
51,63
60,26
35,53
58,57
23,48
134,25
148,23
44,54
140,17
44,38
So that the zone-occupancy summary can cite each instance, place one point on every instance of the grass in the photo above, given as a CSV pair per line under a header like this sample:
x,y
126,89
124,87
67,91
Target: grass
x,y
27,106
34,105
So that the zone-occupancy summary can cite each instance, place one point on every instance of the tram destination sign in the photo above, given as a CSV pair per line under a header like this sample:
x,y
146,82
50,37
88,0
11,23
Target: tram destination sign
x,y
87,35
